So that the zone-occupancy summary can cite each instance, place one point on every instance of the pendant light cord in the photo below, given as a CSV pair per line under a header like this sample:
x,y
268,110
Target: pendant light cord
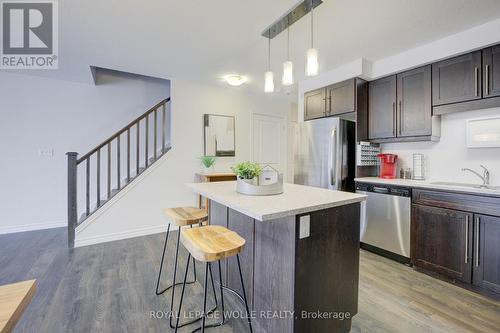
x,y
269,52
312,24
288,41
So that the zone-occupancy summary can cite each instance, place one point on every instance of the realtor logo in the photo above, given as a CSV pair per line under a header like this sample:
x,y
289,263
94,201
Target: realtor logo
x,y
29,35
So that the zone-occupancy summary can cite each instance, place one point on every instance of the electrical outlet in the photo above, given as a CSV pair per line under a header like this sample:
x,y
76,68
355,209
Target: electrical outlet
x,y
46,152
304,226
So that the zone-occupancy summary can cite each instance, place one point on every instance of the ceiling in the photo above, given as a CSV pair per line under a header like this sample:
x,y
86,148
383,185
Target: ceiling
x,y
203,40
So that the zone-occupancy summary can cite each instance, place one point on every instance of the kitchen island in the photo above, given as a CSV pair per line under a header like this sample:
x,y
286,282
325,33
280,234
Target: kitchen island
x,y
301,259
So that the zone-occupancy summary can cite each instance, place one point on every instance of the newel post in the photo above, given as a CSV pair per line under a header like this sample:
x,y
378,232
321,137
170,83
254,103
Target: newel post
x,y
72,199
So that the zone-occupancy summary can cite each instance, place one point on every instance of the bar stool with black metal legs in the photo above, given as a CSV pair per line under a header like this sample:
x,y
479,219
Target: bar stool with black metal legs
x,y
209,244
181,217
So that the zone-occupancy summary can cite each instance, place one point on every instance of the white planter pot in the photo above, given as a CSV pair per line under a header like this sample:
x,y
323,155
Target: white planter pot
x,y
250,187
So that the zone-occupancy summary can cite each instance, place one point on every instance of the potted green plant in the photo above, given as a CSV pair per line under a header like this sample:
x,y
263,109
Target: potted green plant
x,y
247,170
208,163
248,180
247,173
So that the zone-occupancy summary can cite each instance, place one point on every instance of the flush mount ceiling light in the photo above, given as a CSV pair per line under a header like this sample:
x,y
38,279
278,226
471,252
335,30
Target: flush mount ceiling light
x,y
269,75
235,80
312,65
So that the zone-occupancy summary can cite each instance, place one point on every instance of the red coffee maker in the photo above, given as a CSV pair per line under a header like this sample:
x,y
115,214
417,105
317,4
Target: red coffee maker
x,y
388,166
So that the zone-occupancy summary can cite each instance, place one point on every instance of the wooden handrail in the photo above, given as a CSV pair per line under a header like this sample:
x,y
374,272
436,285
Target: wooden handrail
x,y
121,131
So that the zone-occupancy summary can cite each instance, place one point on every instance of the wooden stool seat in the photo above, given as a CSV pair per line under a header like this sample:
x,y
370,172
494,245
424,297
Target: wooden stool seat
x,y
212,243
182,216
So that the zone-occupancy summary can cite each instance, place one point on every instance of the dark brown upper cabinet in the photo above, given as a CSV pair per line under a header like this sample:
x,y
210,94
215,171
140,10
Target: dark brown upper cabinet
x,y
315,104
382,101
414,102
441,241
336,99
486,260
341,97
457,79
400,107
347,99
491,72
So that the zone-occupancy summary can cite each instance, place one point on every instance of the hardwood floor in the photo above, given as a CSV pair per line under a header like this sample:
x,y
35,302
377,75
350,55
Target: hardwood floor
x,y
110,288
395,298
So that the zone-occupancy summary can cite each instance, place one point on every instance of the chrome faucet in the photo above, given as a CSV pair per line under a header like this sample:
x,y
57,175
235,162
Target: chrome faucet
x,y
485,177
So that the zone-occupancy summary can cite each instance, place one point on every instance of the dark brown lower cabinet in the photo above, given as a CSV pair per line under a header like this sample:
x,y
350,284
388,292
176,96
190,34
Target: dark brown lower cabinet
x,y
486,261
456,245
442,241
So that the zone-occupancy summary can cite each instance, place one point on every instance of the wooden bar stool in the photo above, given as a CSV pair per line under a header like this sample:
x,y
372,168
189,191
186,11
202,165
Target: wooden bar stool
x,y
208,244
181,217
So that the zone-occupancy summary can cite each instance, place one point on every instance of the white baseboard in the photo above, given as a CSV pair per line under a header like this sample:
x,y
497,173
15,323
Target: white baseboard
x,y
32,227
85,241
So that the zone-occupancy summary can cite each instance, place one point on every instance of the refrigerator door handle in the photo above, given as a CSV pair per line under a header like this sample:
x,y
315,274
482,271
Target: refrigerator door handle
x,y
333,160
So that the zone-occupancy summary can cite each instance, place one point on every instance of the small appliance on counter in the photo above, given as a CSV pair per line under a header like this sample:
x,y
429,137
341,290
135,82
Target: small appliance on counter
x,y
388,166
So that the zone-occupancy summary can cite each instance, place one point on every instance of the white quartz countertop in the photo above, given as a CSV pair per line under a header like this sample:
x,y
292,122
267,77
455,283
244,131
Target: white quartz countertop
x,y
428,185
295,199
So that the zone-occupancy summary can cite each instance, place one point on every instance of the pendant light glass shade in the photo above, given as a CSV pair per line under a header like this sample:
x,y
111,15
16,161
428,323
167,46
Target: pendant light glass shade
x,y
287,79
312,65
269,76
269,82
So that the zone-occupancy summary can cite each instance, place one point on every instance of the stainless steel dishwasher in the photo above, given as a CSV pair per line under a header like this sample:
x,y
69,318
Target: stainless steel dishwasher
x,y
385,220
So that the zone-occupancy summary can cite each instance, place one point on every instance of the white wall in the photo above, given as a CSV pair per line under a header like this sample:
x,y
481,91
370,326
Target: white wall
x,y
139,212
369,69
468,40
45,114
446,158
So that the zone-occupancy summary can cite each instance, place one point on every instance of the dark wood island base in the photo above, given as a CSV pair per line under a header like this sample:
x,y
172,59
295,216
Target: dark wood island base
x,y
298,279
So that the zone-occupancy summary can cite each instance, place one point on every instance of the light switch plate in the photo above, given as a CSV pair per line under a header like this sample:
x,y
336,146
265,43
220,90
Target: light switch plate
x,y
46,152
304,226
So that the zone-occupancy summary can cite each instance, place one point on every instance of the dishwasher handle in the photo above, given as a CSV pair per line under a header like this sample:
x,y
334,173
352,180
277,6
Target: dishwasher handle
x,y
383,190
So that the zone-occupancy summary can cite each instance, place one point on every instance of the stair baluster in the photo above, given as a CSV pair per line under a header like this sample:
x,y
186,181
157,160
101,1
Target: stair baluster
x,y
74,162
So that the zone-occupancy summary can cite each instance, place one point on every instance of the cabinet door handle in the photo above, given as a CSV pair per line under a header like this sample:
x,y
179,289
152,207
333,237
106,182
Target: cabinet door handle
x,y
477,240
394,118
324,111
400,117
466,238
487,81
476,76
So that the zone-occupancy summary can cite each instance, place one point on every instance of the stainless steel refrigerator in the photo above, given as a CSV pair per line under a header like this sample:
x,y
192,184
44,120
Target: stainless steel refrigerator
x,y
326,154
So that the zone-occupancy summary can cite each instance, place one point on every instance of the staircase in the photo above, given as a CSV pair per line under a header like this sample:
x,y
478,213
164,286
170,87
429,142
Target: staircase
x,y
97,176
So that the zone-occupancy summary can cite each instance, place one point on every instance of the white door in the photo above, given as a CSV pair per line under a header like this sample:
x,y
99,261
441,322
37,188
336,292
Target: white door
x,y
269,141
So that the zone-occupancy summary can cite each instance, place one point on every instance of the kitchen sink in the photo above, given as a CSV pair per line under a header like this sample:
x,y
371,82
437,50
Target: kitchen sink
x,y
476,186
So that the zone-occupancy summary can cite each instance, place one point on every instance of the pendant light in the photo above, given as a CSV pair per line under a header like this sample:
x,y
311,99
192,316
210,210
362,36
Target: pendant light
x,y
269,75
312,66
287,78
